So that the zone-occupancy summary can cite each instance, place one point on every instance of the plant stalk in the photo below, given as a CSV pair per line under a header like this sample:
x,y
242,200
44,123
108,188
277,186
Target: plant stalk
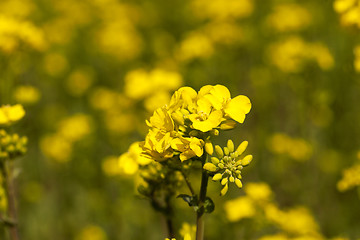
x,y
202,197
10,195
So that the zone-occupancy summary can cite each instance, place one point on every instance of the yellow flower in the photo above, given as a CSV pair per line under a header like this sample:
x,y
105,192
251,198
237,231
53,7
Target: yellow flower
x,y
161,120
157,145
239,208
129,162
220,99
189,147
10,114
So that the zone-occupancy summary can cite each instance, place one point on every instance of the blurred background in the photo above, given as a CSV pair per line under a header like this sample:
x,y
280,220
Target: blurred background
x,y
89,73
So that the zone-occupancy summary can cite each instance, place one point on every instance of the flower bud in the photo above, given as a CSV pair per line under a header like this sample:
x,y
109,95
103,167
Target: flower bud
x,y
219,151
224,190
210,167
217,177
238,183
215,160
246,160
209,147
230,145
241,148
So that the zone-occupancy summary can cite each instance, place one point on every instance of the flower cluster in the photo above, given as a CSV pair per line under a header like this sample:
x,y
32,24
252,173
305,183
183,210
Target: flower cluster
x,y
11,146
228,165
182,128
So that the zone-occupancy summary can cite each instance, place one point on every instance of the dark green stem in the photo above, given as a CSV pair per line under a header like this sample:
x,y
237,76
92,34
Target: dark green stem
x,y
202,197
187,182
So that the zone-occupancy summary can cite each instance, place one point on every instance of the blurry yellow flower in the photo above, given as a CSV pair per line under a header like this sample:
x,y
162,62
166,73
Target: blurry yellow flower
x,y
349,11
223,10
75,127
294,221
195,45
129,162
56,147
189,147
119,122
27,94
110,166
119,38
274,237
350,179
79,82
292,53
140,84
239,208
357,58
188,231
17,8
91,232
55,64
296,148
10,114
14,32
103,99
289,17
158,99
258,191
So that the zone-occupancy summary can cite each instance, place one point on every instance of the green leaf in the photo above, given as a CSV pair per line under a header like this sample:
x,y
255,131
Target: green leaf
x,y
191,200
209,205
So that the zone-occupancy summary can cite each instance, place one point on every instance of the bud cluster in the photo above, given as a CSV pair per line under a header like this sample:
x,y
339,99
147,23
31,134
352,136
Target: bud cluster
x,y
228,165
11,146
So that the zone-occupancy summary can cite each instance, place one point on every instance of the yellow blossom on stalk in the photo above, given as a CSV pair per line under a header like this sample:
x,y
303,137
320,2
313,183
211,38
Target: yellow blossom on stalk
x,y
188,147
10,114
228,165
188,231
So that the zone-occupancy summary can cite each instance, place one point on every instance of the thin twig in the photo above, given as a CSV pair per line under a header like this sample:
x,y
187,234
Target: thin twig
x,y
187,182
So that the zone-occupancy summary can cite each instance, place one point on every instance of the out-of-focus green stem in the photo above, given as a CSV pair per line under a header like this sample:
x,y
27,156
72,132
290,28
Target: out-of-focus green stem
x,y
10,195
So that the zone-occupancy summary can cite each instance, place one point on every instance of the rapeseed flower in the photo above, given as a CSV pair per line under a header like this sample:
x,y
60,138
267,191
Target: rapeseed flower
x,y
10,114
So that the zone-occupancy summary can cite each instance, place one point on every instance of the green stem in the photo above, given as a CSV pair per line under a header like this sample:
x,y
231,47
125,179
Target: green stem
x,y
187,182
10,195
202,197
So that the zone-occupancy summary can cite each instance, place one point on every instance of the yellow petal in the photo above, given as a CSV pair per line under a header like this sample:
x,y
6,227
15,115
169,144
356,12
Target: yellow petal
x,y
238,107
3,117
